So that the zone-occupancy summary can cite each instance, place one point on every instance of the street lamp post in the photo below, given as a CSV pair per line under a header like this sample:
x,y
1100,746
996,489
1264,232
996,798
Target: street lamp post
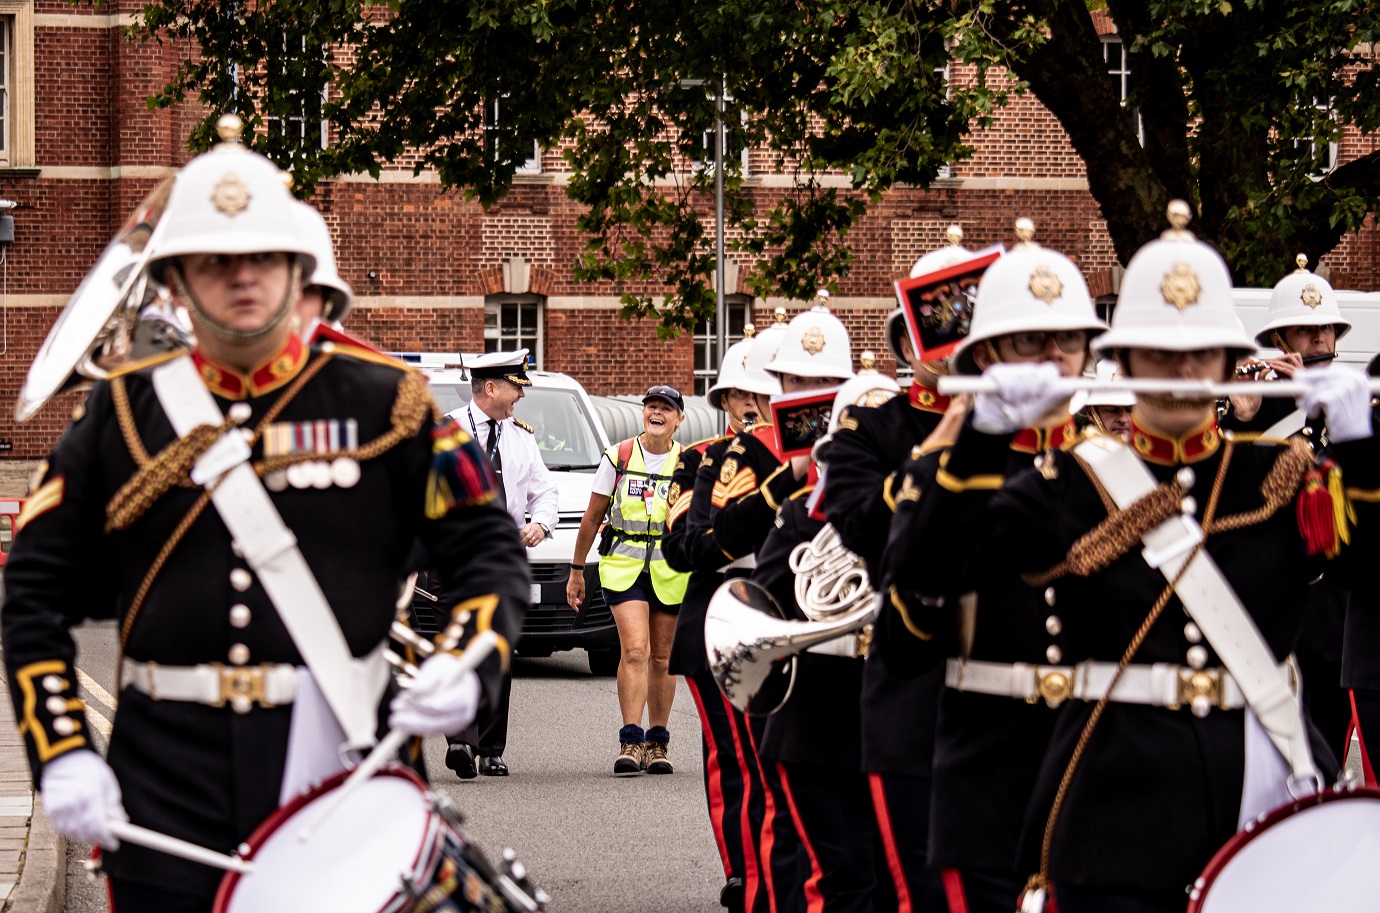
x,y
720,316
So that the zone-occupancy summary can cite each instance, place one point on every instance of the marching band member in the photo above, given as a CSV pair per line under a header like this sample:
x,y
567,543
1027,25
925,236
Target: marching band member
x,y
742,394
1360,643
1033,307
867,453
1168,565
1305,323
1109,411
815,739
200,500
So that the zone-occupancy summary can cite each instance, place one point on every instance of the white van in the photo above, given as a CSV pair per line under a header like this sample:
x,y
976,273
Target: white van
x,y
1357,347
571,439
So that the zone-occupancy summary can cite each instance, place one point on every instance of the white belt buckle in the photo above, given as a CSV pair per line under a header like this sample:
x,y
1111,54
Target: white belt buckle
x,y
1190,534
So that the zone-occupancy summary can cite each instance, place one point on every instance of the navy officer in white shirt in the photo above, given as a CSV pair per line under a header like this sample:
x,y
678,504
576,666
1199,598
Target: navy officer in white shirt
x,y
498,380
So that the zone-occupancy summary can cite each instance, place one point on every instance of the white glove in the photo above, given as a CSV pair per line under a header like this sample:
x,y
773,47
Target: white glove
x,y
1342,396
1026,393
80,794
440,700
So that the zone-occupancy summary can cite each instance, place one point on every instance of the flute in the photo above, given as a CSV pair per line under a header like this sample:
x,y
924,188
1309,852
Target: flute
x,y
1256,369
1178,389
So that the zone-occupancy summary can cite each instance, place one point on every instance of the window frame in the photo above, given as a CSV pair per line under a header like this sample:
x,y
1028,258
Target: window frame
x,y
493,125
537,350
19,126
1122,76
272,122
705,339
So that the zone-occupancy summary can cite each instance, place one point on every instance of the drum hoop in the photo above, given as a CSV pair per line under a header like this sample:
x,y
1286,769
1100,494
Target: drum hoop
x,y
282,814
1229,850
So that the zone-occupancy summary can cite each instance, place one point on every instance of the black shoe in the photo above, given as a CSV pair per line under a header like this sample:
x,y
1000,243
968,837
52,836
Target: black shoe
x,y
731,896
460,758
493,766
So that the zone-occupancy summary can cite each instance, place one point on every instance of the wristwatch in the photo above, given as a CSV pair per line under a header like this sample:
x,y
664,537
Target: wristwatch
x,y
546,529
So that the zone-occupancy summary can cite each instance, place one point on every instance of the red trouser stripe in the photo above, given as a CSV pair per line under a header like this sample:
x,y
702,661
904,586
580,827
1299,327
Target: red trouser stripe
x,y
749,835
714,787
768,841
1366,769
814,900
893,855
953,890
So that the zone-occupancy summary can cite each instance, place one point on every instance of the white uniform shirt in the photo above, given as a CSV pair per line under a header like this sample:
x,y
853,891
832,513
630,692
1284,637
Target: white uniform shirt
x,y
527,482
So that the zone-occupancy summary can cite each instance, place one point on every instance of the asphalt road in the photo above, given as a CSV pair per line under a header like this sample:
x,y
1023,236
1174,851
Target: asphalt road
x,y
592,841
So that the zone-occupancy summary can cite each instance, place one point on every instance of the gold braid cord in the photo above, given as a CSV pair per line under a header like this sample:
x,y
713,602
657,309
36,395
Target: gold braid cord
x,y
1041,881
128,429
1123,529
170,468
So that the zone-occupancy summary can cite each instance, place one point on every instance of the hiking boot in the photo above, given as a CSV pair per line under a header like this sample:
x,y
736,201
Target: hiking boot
x,y
656,760
629,760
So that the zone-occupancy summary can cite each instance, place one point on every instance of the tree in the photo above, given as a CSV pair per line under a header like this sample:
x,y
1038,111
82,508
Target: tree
x,y
1227,91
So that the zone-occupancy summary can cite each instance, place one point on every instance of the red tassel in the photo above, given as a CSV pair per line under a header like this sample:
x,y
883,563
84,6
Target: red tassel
x,y
1316,521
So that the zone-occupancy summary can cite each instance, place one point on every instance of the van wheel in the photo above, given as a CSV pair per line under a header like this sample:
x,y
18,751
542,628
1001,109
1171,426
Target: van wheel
x,y
603,662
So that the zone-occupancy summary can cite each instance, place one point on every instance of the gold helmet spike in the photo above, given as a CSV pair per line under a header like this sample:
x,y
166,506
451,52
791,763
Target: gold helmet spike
x,y
749,331
821,304
954,234
1179,215
780,315
868,362
1302,261
230,128
1025,230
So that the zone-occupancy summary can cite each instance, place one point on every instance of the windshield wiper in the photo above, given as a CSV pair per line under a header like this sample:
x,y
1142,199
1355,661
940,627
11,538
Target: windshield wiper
x,y
573,466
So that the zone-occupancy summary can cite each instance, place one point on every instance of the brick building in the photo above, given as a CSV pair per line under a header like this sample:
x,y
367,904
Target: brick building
x,y
433,272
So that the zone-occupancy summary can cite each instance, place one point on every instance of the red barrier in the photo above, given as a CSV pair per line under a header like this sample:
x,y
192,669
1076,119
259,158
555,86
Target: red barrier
x,y
9,512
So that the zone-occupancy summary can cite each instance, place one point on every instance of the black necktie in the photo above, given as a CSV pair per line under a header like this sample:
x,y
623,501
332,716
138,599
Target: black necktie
x,y
496,458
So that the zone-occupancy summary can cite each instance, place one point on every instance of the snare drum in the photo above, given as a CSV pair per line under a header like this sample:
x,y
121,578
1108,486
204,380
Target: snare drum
x,y
390,847
1317,853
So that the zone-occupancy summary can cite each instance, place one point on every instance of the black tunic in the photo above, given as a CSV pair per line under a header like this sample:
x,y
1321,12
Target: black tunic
x,y
208,774
869,450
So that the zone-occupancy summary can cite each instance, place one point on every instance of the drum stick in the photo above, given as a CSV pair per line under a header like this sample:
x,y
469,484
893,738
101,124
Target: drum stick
x,y
1178,389
142,836
388,747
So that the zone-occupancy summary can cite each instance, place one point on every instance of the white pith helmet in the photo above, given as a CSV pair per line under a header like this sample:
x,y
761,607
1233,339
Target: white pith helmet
x,y
313,229
1107,370
230,201
866,388
1301,299
816,344
755,378
953,252
732,369
1176,296
1030,289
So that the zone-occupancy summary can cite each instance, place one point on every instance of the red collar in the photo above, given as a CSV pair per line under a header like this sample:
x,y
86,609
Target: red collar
x,y
228,383
1198,444
1038,440
927,399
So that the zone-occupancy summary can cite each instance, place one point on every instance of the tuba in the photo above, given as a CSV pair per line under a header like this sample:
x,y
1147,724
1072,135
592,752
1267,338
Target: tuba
x,y
752,643
99,319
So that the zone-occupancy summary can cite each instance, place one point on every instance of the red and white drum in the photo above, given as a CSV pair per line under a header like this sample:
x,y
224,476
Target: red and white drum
x,y
1318,853
390,847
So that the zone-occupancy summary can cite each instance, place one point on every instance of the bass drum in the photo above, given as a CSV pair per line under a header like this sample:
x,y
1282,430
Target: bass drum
x,y
390,847
1319,853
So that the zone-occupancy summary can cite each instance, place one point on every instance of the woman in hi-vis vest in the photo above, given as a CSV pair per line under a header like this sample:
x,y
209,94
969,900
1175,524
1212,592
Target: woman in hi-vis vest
x,y
631,485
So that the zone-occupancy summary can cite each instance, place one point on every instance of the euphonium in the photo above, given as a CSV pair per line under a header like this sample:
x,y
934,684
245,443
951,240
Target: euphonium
x,y
751,643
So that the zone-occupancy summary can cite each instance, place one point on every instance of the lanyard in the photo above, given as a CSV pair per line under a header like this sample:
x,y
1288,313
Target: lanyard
x,y
498,432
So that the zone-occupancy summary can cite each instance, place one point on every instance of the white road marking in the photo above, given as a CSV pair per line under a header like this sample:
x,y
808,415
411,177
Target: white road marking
x,y
94,716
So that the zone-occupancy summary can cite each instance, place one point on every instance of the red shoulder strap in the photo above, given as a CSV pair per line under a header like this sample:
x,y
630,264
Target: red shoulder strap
x,y
624,457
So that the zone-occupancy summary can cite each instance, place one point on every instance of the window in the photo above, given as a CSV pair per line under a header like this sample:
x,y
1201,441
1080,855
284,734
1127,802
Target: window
x,y
707,357
514,322
304,127
733,145
16,84
494,128
1119,68
1324,148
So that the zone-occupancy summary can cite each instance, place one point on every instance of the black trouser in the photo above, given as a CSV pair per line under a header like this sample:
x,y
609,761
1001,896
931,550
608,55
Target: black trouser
x,y
1094,900
488,734
901,806
832,811
780,855
133,897
983,890
728,783
1367,704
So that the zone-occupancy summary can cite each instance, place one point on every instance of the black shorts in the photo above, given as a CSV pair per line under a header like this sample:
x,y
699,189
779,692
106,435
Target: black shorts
x,y
641,591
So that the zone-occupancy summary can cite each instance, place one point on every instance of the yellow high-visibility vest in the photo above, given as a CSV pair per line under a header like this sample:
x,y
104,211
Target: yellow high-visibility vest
x,y
637,520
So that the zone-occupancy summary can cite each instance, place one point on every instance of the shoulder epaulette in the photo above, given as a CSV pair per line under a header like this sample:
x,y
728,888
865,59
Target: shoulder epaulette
x,y
131,367
701,445
363,353
524,426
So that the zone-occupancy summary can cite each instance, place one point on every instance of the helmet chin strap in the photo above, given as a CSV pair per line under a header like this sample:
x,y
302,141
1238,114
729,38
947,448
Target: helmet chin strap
x,y
229,334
